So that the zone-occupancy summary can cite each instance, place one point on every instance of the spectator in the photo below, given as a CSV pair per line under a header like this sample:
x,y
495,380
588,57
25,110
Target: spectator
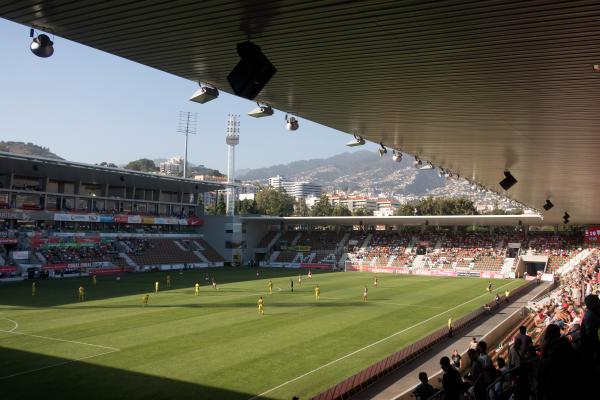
x,y
560,373
451,382
473,344
483,371
498,388
455,359
514,354
591,327
424,390
526,346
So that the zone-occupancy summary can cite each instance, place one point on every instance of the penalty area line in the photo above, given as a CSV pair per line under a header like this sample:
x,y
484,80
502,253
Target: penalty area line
x,y
370,345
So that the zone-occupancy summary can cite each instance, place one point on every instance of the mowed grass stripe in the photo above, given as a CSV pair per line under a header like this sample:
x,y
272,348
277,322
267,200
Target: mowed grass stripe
x,y
218,343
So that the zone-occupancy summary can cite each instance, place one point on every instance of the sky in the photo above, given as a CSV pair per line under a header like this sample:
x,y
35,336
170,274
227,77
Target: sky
x,y
90,106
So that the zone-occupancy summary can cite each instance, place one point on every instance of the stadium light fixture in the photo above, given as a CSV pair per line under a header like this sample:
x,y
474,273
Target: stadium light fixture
x,y
261,111
417,163
41,45
396,155
358,141
508,181
428,165
382,150
596,67
252,72
291,123
566,217
205,94
548,205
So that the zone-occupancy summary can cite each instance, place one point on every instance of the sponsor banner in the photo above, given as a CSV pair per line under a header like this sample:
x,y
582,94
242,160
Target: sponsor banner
x,y
8,268
8,240
84,239
108,271
120,219
316,266
530,277
492,275
475,274
54,266
76,217
134,219
148,220
592,234
20,255
106,218
195,221
11,215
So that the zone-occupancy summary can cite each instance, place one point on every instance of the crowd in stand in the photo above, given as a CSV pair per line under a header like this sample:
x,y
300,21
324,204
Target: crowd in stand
x,y
137,247
564,364
104,251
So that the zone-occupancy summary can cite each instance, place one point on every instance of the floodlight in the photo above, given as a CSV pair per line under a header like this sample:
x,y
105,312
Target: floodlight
x,y
358,141
261,111
548,205
382,150
41,45
291,123
508,182
429,165
205,94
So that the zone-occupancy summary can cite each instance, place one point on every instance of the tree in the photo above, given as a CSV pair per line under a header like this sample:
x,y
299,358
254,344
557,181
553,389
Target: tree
x,y
361,212
405,210
221,208
143,164
106,164
322,208
270,201
301,209
246,206
341,211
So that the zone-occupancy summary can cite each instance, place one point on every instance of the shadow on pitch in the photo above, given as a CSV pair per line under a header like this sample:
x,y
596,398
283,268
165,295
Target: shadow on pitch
x,y
82,380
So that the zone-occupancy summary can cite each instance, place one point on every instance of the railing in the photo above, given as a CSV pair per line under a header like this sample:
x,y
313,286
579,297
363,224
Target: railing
x,y
374,372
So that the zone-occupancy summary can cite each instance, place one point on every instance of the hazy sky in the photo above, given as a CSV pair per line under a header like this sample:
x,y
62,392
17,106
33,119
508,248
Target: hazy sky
x,y
91,106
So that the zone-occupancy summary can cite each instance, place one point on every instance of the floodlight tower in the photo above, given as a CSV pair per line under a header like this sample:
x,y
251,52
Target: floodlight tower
x,y
187,126
232,139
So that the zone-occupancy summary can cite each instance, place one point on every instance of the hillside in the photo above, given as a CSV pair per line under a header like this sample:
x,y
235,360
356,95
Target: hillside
x,y
28,149
354,171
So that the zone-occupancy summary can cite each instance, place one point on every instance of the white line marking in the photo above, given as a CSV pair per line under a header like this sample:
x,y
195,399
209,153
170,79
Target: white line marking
x,y
14,322
57,364
403,305
278,288
370,345
62,340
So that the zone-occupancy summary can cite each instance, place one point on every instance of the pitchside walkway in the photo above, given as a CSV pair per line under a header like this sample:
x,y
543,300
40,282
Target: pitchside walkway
x,y
405,378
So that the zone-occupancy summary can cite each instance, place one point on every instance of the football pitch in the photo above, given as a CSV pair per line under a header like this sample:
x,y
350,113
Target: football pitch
x,y
216,345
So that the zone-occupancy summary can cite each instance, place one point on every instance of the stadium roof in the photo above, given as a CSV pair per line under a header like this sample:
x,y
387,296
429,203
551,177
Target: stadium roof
x,y
34,166
432,220
473,86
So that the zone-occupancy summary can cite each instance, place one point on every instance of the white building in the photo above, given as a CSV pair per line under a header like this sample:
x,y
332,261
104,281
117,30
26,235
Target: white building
x,y
302,189
173,166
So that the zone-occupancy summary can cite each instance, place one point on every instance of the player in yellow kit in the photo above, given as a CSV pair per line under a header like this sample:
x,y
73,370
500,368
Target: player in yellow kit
x,y
145,299
94,279
33,289
197,289
299,280
261,306
156,286
270,286
168,281
317,293
81,292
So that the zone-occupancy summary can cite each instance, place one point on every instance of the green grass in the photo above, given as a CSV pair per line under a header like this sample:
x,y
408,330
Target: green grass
x,y
215,346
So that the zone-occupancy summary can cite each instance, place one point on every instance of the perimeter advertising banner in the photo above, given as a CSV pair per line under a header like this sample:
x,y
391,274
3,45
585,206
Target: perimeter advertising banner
x,y
128,219
592,234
